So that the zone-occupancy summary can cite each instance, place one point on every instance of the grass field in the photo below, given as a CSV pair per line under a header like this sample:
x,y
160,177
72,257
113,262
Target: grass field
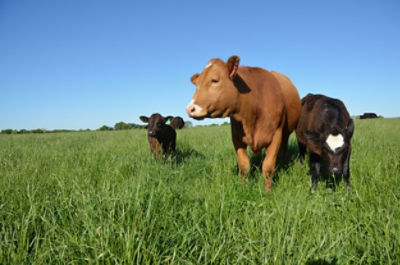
x,y
101,198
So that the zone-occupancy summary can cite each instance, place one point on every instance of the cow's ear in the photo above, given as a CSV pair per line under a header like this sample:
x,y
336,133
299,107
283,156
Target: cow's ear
x,y
168,120
233,66
313,136
350,128
144,119
194,78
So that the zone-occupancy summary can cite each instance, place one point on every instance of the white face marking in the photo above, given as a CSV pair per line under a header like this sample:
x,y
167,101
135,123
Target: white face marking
x,y
335,142
197,108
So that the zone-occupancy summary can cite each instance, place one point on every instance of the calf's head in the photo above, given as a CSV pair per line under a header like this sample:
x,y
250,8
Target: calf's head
x,y
334,146
156,123
216,94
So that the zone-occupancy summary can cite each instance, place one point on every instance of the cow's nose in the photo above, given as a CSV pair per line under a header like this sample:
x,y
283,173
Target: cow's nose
x,y
152,133
190,109
335,170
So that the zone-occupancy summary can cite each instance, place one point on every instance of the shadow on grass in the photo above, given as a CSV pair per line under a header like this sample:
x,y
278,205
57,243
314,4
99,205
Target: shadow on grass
x,y
322,262
181,155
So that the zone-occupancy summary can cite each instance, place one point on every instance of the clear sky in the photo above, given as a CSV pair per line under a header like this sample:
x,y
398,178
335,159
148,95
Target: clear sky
x,y
83,64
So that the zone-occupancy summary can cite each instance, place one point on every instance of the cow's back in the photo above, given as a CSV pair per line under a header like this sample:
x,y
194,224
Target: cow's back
x,y
291,99
260,93
333,113
273,92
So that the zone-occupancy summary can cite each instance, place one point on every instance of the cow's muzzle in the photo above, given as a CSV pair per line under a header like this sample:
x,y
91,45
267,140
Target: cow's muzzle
x,y
195,111
151,133
335,170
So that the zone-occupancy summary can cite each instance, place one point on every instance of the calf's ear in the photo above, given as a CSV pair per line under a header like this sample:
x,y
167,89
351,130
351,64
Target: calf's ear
x,y
312,136
144,119
194,78
350,128
168,120
233,66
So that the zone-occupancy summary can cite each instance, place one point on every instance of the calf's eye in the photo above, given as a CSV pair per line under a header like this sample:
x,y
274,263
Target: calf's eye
x,y
214,80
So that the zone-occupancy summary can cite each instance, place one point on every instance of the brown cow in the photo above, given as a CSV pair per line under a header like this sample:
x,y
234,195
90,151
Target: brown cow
x,y
263,106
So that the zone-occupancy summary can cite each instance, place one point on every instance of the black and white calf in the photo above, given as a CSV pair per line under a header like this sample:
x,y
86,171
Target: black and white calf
x,y
324,130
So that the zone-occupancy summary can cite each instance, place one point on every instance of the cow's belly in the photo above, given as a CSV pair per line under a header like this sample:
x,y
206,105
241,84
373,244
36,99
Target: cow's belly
x,y
259,142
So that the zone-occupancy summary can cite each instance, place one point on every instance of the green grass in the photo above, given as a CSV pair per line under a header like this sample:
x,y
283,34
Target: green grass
x,y
101,198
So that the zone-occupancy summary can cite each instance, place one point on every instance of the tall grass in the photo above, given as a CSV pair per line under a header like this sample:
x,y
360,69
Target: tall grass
x,y
101,198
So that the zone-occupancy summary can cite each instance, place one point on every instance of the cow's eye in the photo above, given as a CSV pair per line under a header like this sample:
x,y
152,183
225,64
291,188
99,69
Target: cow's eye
x,y
214,80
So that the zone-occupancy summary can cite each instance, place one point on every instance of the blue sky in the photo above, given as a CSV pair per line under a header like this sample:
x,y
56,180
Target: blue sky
x,y
83,64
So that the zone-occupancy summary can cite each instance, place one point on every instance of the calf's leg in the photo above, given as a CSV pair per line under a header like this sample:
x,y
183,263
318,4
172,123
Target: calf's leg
x,y
315,168
302,151
155,147
346,172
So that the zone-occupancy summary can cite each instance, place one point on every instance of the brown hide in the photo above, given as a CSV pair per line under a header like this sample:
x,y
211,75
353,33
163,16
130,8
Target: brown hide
x,y
155,146
161,137
264,108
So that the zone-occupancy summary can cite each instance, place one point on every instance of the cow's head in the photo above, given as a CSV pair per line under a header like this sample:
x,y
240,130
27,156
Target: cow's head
x,y
216,95
155,123
334,146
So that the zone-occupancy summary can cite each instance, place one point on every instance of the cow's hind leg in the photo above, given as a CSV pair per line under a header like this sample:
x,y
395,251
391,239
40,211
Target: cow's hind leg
x,y
268,166
284,145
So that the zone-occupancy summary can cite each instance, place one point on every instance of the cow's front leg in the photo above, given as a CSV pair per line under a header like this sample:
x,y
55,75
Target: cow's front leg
x,y
243,161
315,168
268,166
302,151
240,148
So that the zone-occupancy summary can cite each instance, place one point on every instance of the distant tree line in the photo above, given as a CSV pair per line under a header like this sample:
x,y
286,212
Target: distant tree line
x,y
117,127
121,126
24,131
